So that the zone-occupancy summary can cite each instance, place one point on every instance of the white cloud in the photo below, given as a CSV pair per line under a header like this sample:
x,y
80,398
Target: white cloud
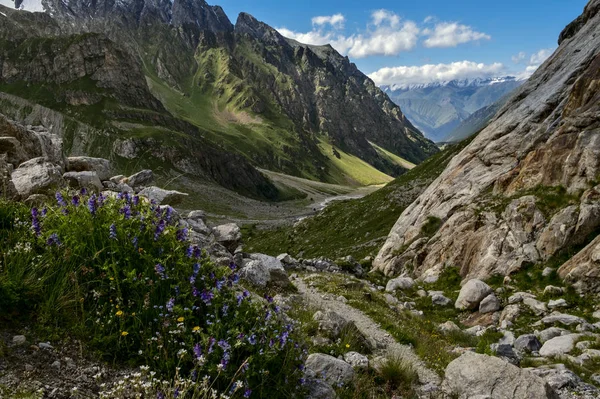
x,y
387,35
429,18
336,20
532,62
407,75
451,34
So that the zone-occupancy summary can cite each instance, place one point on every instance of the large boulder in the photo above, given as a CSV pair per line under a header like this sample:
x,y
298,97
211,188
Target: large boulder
x,y
562,318
87,180
490,304
400,283
229,235
140,179
480,376
88,164
163,197
560,345
527,343
36,176
471,294
332,370
261,270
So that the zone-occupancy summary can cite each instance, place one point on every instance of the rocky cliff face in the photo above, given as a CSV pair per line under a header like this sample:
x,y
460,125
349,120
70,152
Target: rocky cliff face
x,y
525,189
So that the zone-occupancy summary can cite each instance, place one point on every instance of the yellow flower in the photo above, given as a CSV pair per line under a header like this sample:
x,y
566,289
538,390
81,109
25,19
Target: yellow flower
x,y
120,313
133,314
112,278
196,329
347,345
180,320
124,333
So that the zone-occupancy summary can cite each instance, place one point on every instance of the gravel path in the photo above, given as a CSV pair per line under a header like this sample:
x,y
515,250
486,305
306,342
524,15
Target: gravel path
x,y
385,342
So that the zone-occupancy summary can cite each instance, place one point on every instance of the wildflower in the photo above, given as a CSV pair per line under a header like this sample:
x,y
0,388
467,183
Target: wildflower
x,y
113,232
197,351
136,200
92,206
182,235
247,393
160,270
196,329
211,344
135,241
120,313
159,229
189,251
347,345
168,213
224,345
170,305
207,296
44,212
195,292
75,200
83,191
126,212
252,339
124,333
180,320
197,252
60,199
35,223
53,240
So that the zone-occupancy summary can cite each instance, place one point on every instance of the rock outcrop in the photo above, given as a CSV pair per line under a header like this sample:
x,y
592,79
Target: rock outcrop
x,y
512,197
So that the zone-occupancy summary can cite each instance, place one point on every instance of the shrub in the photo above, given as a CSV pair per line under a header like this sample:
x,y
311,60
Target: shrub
x,y
121,274
398,373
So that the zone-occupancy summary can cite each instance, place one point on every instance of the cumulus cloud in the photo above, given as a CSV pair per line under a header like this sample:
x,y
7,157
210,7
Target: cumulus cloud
x,y
531,61
451,34
403,76
386,35
336,20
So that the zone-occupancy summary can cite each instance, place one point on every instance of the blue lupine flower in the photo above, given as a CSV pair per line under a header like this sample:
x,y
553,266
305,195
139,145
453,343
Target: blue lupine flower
x,y
232,266
75,200
197,351
53,240
225,309
60,199
125,211
83,191
189,251
224,345
92,206
171,305
182,235
207,296
168,213
159,229
44,212
160,270
35,223
247,393
136,200
135,242
197,252
211,345
195,292
113,232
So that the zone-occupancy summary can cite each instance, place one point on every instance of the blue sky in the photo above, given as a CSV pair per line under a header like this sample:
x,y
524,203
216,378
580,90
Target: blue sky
x,y
417,41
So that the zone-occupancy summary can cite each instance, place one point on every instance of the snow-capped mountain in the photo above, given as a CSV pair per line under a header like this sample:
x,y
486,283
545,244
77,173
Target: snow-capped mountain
x,y
437,108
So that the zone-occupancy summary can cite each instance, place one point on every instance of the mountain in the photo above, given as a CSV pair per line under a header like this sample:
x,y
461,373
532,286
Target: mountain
x,y
438,108
524,193
240,89
476,121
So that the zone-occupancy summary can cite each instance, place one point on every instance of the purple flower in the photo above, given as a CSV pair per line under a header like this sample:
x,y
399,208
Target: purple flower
x,y
283,338
53,240
232,266
224,345
113,232
211,345
60,199
219,284
195,292
83,191
92,206
207,296
168,213
160,395
197,252
159,229
44,212
225,309
135,241
35,223
75,200
160,270
197,351
252,339
247,393
176,393
182,234
136,200
189,251
126,212
171,305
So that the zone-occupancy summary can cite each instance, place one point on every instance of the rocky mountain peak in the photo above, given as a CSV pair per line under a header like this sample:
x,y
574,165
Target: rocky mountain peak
x,y
248,25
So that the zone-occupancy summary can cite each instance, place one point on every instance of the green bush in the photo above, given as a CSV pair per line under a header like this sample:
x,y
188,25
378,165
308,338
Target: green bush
x,y
121,274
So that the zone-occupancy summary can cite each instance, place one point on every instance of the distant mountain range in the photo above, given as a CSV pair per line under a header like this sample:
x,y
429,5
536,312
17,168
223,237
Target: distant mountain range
x,y
440,107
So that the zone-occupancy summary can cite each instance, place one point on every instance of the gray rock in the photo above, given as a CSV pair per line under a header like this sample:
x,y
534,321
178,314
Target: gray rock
x,y
518,297
510,313
552,332
558,303
198,225
117,179
560,345
45,345
476,331
596,314
287,259
319,389
557,376
56,365
331,323
141,179
441,300
448,327
163,197
36,176
527,343
88,164
480,376
565,319
552,290
391,300
19,340
537,307
506,352
87,180
229,235
471,294
400,283
357,360
334,371
489,304
547,271
507,339
261,270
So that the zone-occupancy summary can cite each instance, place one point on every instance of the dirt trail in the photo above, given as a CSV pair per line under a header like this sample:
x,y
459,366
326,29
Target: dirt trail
x,y
386,343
